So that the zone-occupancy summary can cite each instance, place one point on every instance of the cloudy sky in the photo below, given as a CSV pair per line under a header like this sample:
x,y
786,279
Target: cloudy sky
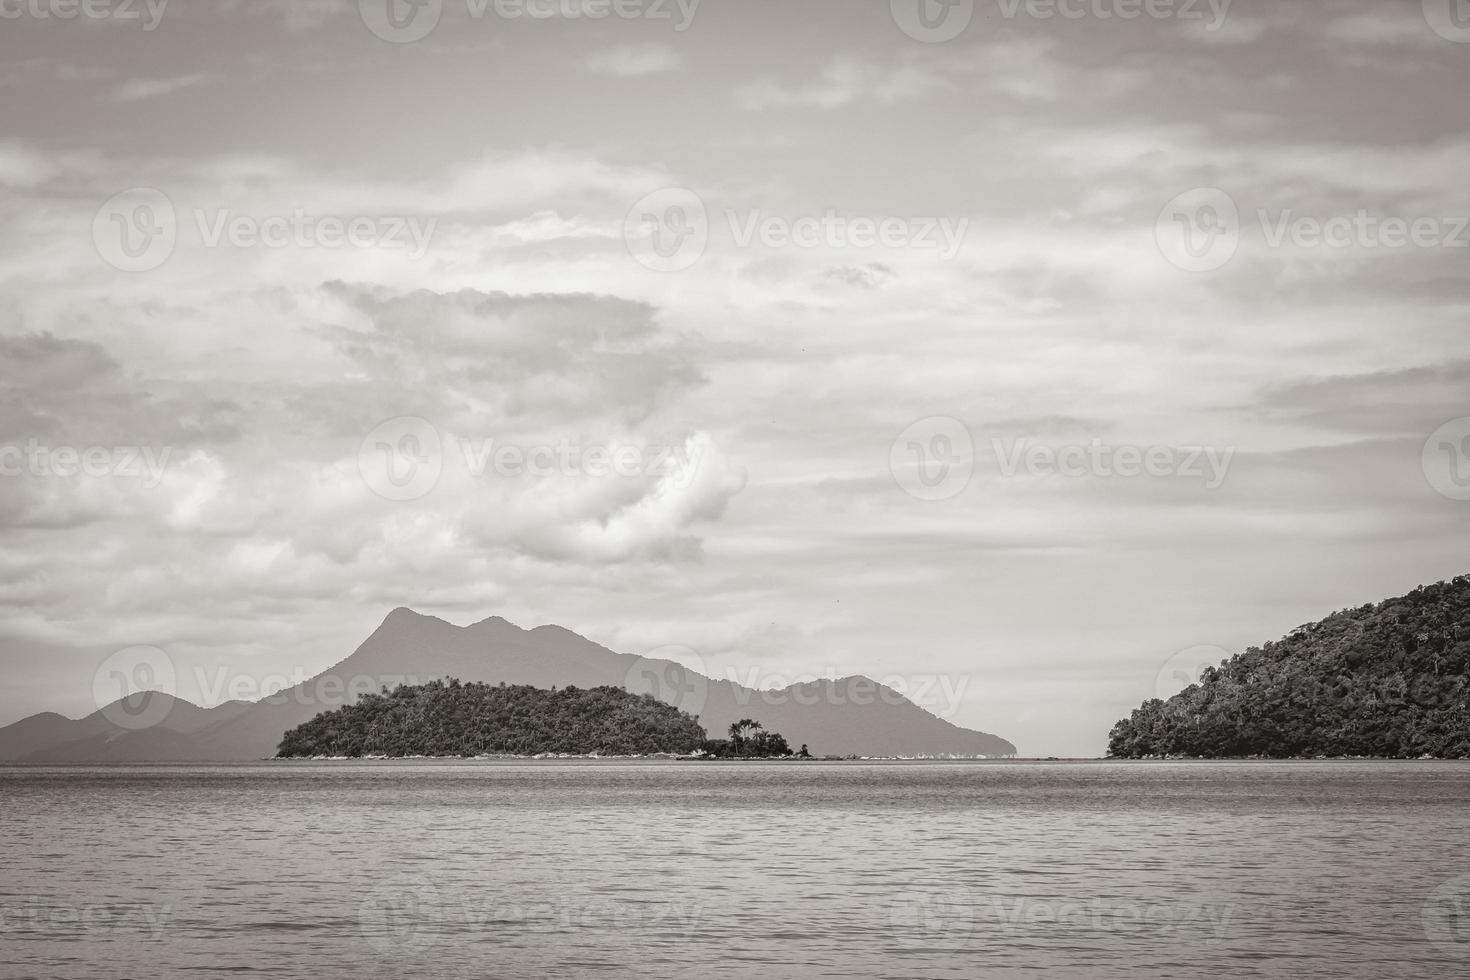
x,y
974,345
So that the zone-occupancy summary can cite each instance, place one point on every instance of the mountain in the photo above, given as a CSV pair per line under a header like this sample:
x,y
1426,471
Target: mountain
x,y
1385,680
851,716
453,719
112,733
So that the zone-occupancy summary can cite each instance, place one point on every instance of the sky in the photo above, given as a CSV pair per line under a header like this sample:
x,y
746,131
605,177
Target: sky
x,y
1023,355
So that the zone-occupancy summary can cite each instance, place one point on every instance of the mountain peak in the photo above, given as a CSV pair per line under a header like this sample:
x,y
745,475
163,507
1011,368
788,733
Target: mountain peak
x,y
494,623
142,699
410,618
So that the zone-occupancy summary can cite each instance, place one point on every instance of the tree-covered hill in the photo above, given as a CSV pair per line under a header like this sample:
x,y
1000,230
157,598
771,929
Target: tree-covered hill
x,y
1384,681
454,719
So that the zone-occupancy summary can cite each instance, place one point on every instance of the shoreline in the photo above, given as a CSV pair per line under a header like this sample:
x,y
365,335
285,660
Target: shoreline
x,y
655,757
661,761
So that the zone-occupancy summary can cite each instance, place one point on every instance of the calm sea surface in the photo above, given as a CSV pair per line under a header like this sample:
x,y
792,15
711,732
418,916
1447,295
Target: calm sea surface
x,y
1089,870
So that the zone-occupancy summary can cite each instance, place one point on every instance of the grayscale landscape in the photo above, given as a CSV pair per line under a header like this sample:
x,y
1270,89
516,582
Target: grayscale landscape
x,y
734,488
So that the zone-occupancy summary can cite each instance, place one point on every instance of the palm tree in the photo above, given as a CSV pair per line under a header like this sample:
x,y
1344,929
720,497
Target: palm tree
x,y
738,732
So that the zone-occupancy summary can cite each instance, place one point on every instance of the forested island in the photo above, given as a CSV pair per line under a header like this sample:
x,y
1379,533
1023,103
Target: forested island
x,y
1383,681
444,719
749,740
453,719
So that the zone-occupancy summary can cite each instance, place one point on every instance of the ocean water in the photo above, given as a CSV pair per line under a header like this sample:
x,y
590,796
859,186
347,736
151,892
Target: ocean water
x,y
966,870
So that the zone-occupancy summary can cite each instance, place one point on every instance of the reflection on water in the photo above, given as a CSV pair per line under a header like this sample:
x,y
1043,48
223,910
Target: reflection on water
x,y
1091,870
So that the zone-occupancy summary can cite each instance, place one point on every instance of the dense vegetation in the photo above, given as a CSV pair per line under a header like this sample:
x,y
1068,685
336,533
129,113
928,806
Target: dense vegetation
x,y
749,740
455,719
1385,681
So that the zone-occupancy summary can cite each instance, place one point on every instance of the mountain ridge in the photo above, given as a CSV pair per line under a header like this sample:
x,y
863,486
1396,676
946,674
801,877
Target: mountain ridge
x,y
413,648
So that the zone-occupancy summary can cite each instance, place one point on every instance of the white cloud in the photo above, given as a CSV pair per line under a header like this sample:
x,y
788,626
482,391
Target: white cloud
x,y
22,165
843,81
695,485
1387,26
633,60
136,89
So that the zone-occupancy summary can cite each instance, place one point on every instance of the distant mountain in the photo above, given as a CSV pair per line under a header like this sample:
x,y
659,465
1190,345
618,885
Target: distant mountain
x,y
110,734
1386,680
851,716
453,719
